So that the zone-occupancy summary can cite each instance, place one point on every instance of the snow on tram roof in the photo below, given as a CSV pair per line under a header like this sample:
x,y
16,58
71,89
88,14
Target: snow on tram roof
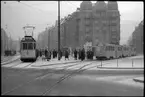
x,y
28,39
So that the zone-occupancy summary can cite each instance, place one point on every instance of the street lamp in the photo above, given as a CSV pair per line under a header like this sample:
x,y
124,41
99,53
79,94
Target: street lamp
x,y
58,30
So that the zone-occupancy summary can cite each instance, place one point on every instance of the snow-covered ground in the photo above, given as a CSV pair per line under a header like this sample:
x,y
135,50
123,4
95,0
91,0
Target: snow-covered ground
x,y
9,59
5,58
129,62
125,80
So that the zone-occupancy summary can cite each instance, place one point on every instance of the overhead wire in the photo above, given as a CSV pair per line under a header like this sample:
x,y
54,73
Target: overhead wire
x,y
71,4
40,4
31,6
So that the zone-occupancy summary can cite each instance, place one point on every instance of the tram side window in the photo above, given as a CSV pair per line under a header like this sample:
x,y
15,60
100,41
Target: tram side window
x,y
30,46
24,46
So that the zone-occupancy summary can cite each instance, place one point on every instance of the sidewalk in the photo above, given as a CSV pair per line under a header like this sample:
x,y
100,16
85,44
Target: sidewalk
x,y
55,61
123,64
139,79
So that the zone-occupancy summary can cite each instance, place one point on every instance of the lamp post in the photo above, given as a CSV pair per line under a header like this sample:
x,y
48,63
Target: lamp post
x,y
58,30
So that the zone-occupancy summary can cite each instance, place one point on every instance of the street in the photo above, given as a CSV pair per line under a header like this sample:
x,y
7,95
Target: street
x,y
16,81
74,48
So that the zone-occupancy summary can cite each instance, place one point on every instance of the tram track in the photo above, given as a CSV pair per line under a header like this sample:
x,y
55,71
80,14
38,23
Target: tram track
x,y
67,76
49,74
17,65
6,63
64,67
22,72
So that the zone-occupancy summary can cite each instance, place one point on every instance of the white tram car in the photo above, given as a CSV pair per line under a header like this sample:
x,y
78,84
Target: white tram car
x,y
28,49
111,51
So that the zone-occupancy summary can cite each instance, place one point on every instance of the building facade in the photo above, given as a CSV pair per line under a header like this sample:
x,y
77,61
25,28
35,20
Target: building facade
x,y
99,22
91,23
138,38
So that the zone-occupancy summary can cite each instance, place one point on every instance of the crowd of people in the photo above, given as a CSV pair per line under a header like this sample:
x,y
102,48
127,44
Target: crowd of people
x,y
49,54
10,52
80,54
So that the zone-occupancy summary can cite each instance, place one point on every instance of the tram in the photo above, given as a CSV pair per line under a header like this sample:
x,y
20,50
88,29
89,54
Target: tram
x,y
28,50
111,51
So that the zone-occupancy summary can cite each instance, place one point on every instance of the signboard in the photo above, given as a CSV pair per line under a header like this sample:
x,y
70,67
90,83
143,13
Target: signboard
x,y
87,45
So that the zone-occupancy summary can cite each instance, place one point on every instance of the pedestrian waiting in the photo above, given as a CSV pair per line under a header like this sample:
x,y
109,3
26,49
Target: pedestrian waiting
x,y
82,54
66,54
75,54
79,54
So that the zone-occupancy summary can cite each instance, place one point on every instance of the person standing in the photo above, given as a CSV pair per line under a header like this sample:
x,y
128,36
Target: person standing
x,y
48,55
66,54
82,54
46,52
75,54
79,54
53,53
60,54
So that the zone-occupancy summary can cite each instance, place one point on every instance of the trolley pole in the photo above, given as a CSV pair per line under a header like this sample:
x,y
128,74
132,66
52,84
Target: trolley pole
x,y
58,30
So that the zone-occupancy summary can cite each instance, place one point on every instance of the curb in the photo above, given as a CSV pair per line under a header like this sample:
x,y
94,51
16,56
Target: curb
x,y
138,80
117,68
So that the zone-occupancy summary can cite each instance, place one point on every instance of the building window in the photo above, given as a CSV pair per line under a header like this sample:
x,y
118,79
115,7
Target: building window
x,y
97,15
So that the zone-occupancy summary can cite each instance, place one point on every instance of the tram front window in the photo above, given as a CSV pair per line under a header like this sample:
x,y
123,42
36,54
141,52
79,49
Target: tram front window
x,y
24,46
30,46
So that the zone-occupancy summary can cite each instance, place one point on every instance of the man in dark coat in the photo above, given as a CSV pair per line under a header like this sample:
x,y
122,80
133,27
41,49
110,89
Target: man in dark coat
x,y
46,53
79,54
66,55
53,53
75,54
82,54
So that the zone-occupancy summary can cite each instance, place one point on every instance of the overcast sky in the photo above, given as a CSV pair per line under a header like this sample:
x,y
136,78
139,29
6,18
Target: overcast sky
x,y
40,13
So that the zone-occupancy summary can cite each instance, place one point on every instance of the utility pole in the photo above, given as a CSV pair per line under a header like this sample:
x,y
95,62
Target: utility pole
x,y
49,38
58,30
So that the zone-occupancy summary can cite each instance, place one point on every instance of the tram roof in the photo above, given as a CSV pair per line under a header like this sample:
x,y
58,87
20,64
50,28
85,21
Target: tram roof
x,y
28,39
